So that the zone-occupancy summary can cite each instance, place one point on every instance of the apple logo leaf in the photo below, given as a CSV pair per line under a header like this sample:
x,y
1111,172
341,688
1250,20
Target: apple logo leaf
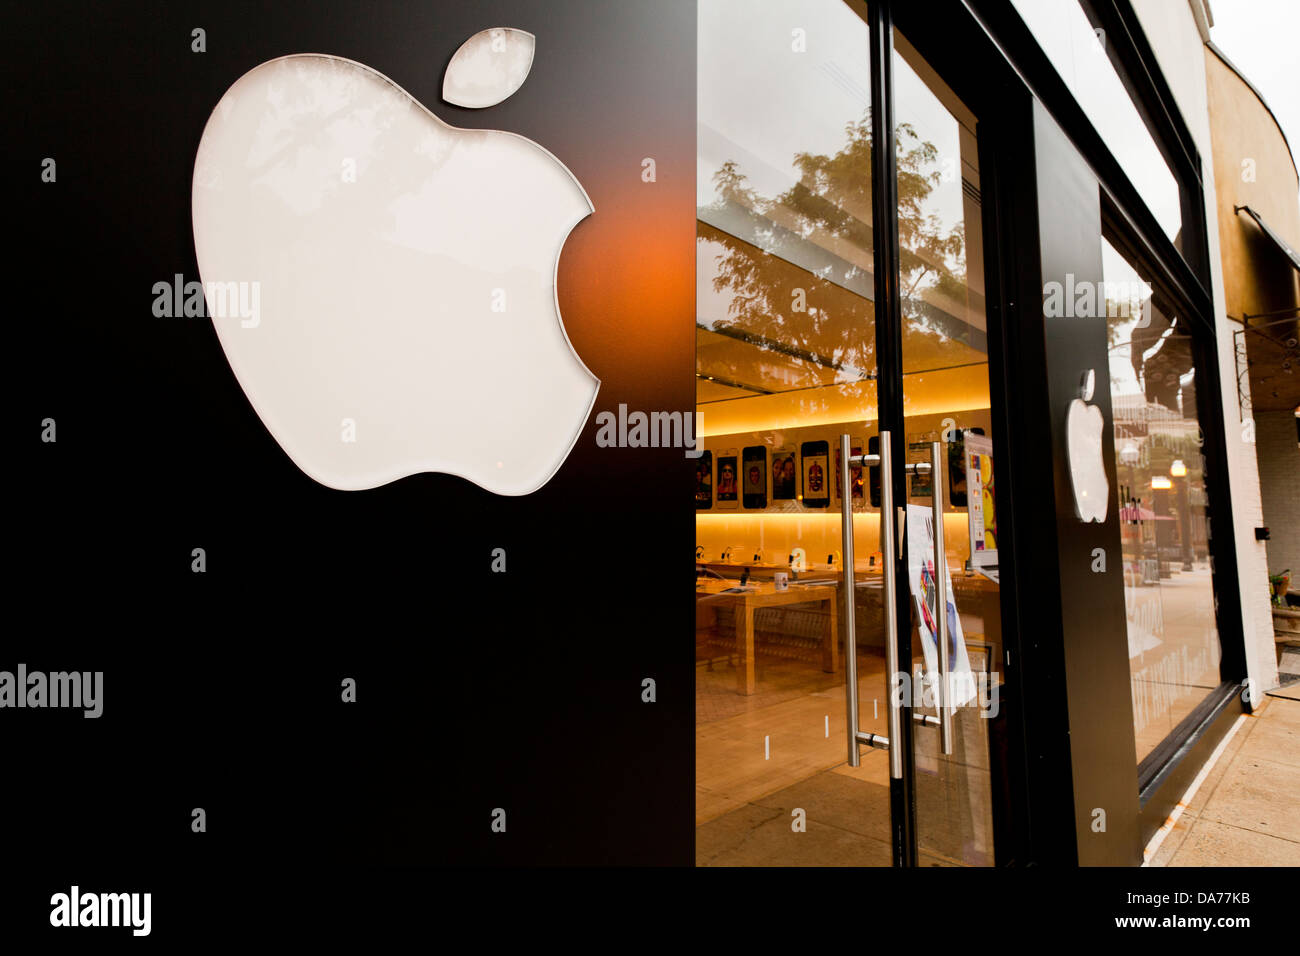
x,y
488,67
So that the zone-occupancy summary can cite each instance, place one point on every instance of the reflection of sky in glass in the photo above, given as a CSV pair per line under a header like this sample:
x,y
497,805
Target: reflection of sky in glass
x,y
1066,36
748,74
1124,381
761,105
917,106
1116,269
1168,585
711,304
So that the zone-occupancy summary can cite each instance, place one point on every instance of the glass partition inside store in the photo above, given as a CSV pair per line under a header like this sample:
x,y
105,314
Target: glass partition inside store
x,y
786,365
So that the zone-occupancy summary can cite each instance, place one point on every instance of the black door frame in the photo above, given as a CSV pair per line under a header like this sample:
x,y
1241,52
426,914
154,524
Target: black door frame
x,y
997,131
889,384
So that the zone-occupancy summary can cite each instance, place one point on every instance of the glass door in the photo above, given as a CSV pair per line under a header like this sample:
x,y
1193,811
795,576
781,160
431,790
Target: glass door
x,y
931,468
845,471
786,365
945,467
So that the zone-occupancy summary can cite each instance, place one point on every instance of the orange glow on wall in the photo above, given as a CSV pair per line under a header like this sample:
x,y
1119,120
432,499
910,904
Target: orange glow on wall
x,y
777,534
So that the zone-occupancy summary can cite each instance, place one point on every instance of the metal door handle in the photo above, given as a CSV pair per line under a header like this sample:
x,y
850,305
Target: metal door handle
x,y
856,737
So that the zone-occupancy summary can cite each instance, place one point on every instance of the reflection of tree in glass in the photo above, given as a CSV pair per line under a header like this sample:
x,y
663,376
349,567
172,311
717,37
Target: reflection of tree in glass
x,y
823,222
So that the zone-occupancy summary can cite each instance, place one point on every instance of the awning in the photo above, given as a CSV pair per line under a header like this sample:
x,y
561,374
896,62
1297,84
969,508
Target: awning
x,y
1268,231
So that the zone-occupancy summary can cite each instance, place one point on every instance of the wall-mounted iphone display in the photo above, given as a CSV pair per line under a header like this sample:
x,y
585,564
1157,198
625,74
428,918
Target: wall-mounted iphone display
x,y
785,475
704,481
816,474
726,492
753,476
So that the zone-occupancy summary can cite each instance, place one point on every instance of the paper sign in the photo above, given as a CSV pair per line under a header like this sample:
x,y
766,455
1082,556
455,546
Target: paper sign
x,y
920,573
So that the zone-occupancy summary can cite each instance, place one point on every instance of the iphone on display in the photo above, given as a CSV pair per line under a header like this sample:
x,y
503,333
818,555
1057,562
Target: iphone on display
x,y
728,479
704,481
753,472
785,477
816,474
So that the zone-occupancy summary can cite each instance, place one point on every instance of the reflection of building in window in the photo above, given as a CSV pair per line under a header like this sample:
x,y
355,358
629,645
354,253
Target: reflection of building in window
x,y
1164,522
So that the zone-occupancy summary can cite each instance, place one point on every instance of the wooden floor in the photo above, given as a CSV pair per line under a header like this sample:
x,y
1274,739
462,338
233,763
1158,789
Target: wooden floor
x,y
750,747
773,785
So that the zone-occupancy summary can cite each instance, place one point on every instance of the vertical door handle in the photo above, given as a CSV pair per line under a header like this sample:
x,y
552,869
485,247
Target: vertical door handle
x,y
894,710
850,622
856,738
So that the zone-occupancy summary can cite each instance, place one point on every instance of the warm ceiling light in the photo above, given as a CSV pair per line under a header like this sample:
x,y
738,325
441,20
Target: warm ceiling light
x,y
1161,483
1178,469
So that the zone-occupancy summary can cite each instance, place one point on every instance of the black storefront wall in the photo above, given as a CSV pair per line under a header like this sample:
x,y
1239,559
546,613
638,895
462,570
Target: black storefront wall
x,y
1118,804
1094,627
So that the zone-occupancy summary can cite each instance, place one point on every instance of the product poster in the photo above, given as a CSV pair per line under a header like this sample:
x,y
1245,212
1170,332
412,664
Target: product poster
x,y
982,512
920,575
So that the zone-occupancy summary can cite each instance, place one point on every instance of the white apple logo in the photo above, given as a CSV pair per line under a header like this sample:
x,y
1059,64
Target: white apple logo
x,y
406,268
1083,431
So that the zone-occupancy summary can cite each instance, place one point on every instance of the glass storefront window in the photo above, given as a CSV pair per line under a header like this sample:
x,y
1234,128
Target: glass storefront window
x,y
785,353
1081,56
1164,516
786,375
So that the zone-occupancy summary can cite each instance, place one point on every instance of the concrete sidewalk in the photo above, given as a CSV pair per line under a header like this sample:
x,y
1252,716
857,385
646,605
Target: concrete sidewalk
x,y
1246,811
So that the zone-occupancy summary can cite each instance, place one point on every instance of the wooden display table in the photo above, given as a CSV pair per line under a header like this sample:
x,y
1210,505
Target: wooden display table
x,y
745,603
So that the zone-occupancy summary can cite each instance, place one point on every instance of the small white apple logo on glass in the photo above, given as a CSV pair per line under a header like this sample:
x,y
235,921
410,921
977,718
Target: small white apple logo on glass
x,y
406,270
1083,431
